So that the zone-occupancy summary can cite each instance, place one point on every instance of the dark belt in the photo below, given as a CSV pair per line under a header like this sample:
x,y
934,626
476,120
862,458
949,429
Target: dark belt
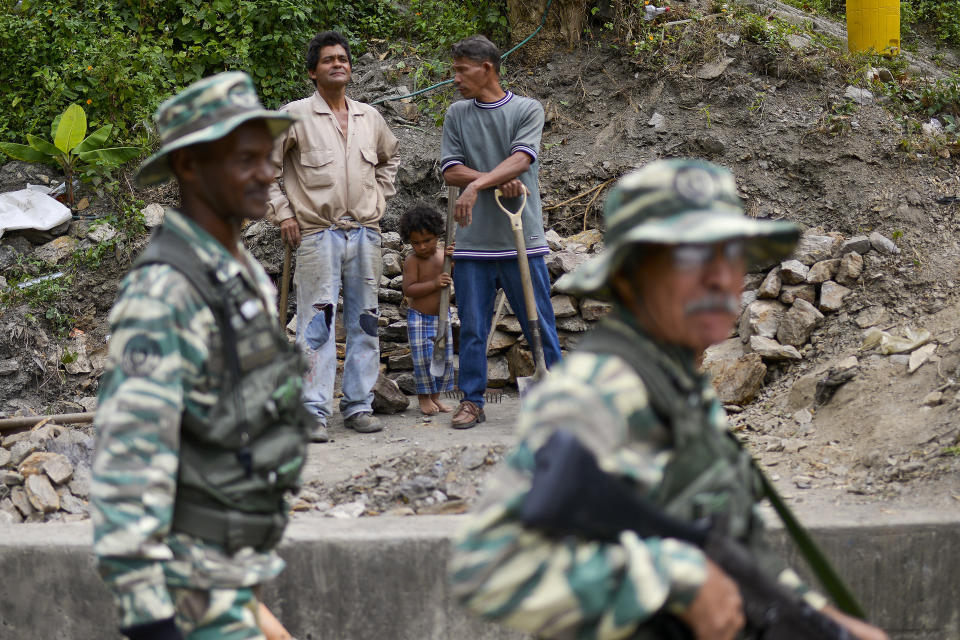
x,y
232,530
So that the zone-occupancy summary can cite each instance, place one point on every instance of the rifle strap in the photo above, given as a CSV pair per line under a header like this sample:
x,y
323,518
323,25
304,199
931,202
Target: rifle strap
x,y
831,582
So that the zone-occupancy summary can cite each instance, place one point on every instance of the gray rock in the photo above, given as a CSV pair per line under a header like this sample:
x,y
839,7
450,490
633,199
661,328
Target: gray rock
x,y
58,469
56,250
728,350
738,381
798,42
900,359
402,362
9,366
77,446
564,306
932,399
498,372
573,324
657,121
823,271
565,261
770,287
473,458
18,495
592,310
390,296
9,518
746,299
501,340
395,283
387,397
554,240
851,266
10,478
860,244
803,291
41,494
883,244
798,323
871,316
509,324
920,357
72,504
814,248
20,451
4,491
772,350
729,39
406,382
152,215
761,318
802,393
391,240
12,514
713,70
793,272
396,331
5,457
80,484
103,232
858,95
392,264
832,295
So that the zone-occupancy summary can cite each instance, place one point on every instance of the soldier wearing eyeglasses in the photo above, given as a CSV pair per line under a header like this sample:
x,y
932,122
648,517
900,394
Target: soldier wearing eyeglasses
x,y
678,245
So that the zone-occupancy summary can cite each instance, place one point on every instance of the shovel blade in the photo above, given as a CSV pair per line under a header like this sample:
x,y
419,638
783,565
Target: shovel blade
x,y
438,363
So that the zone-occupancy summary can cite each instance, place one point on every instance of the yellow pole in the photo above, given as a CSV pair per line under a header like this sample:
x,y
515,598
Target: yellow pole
x,y
873,25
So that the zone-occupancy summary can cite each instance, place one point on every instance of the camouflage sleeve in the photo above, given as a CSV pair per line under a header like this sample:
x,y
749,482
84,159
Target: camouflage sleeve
x,y
549,587
155,347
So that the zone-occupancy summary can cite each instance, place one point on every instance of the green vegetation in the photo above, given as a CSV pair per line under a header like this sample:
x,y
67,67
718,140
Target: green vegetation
x,y
72,146
120,59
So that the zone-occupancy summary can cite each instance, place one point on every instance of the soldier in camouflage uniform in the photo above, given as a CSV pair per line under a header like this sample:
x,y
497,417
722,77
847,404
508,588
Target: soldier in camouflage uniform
x,y
201,429
677,245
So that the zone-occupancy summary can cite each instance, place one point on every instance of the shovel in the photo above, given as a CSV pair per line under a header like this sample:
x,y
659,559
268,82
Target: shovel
x,y
438,364
533,320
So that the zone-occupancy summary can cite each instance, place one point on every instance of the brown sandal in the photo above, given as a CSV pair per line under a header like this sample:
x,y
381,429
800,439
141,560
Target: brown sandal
x,y
467,415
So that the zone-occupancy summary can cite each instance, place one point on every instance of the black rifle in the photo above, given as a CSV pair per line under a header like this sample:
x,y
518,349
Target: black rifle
x,y
571,495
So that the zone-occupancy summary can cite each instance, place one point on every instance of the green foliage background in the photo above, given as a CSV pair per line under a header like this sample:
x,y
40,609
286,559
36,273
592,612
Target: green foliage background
x,y
120,58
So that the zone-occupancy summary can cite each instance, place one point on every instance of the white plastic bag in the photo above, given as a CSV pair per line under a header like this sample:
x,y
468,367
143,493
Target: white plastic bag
x,y
30,209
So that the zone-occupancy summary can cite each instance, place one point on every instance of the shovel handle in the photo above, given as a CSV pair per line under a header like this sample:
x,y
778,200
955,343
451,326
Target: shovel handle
x,y
533,319
285,284
452,193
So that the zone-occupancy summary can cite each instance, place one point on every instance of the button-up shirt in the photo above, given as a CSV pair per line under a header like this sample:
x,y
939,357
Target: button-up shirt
x,y
332,180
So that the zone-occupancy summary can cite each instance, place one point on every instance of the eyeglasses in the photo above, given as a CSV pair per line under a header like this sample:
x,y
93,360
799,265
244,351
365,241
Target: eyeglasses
x,y
692,257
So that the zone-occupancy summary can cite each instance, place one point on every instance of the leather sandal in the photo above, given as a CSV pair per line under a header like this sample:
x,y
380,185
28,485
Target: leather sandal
x,y
467,415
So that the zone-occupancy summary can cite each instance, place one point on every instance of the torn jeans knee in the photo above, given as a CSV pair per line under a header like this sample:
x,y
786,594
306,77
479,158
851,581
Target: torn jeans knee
x,y
369,321
320,327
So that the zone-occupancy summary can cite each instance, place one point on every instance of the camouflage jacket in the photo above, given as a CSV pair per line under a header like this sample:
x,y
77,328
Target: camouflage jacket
x,y
576,588
162,338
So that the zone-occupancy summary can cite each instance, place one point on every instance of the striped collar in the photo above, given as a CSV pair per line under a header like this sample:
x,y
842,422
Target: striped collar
x,y
493,105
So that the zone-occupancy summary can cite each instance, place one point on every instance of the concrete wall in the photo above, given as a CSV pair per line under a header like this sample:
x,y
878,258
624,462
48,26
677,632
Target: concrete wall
x,y
371,579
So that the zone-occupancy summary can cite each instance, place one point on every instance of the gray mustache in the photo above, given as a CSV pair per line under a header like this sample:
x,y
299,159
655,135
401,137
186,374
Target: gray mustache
x,y
713,302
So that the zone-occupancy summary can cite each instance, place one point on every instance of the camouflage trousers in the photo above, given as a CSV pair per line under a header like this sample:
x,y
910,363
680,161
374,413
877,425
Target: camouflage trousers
x,y
217,614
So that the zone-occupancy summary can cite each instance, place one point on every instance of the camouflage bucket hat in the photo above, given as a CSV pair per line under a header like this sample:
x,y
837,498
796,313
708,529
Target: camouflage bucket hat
x,y
671,202
207,110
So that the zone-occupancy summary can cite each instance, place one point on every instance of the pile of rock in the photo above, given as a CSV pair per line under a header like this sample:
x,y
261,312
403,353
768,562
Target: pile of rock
x,y
782,306
45,475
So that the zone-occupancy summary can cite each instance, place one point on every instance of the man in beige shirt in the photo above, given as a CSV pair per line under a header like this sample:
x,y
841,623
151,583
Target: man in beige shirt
x,y
338,164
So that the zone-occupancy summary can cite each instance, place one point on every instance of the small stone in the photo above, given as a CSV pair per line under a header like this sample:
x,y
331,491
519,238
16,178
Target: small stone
x,y
713,70
919,357
657,121
103,232
18,495
56,250
802,392
573,324
4,457
566,261
473,458
859,244
498,372
554,240
803,416
32,465
847,363
391,240
871,316
793,272
72,504
509,324
80,484
41,494
348,510
58,469
520,361
790,293
728,350
400,362
729,39
851,266
761,318
798,42
738,382
392,264
900,359
769,349
564,306
746,299
152,215
814,248
831,296
22,449
589,238
803,482
883,244
822,271
932,399
860,96
10,478
9,366
387,397
798,323
592,310
770,287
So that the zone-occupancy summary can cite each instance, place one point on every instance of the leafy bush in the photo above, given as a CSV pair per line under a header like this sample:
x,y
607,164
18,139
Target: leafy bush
x,y
120,58
942,16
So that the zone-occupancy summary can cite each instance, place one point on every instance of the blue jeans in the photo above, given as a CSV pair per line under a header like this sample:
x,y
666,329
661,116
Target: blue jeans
x,y
325,259
476,283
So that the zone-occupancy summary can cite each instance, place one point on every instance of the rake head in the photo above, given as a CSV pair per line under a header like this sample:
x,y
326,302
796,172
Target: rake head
x,y
490,395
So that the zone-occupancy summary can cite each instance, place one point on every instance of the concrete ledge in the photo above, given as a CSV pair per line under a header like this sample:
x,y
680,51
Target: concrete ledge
x,y
370,579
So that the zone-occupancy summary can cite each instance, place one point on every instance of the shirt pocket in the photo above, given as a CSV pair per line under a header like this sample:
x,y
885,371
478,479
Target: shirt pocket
x,y
369,167
318,168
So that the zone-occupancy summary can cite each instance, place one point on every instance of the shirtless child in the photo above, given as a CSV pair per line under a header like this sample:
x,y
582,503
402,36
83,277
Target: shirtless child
x,y
423,279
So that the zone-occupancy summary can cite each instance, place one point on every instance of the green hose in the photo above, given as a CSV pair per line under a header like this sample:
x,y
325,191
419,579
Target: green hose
x,y
543,21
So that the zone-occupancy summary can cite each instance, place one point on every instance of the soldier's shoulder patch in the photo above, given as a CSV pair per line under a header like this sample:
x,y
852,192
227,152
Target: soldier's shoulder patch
x,y
141,355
